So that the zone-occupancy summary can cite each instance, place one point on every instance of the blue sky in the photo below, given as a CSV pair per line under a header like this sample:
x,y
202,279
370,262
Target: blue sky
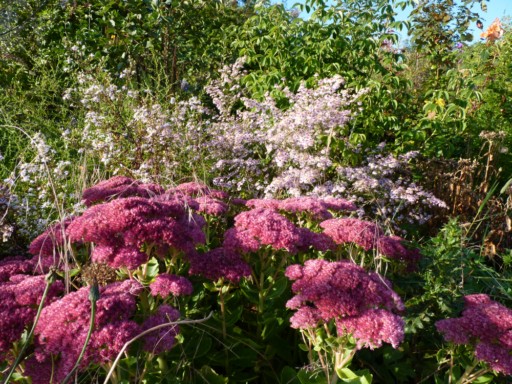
x,y
495,8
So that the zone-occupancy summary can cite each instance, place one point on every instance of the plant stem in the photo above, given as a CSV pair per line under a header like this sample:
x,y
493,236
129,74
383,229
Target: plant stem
x,y
49,281
224,330
467,373
93,297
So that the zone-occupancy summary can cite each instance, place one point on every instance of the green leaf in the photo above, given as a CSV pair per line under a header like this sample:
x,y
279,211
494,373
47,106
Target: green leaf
x,y
307,377
208,375
358,377
289,376
506,186
152,269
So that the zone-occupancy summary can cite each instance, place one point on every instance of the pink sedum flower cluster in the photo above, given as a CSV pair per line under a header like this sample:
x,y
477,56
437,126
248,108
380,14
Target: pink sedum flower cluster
x,y
315,207
369,236
119,228
259,227
195,189
20,296
63,326
487,325
362,304
162,339
118,187
219,263
48,246
166,284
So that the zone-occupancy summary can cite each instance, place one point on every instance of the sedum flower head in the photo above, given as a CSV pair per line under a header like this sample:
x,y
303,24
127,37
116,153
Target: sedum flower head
x,y
487,325
19,298
259,227
166,284
316,207
118,187
14,265
370,236
120,227
392,247
219,263
162,339
373,328
362,304
48,246
346,230
195,189
211,206
64,324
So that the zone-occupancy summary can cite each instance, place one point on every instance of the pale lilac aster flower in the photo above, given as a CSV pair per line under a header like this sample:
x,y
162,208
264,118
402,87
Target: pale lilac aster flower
x,y
117,187
262,227
162,339
487,326
166,284
219,263
346,230
326,291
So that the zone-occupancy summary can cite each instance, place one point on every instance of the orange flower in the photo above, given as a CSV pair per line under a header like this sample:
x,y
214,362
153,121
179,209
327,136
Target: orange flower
x,y
494,32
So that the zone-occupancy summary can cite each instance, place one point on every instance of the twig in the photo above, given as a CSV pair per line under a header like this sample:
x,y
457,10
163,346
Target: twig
x,y
144,334
94,295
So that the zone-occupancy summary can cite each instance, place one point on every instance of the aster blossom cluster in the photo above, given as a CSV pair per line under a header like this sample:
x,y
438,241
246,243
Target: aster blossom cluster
x,y
382,185
487,326
362,304
153,137
288,139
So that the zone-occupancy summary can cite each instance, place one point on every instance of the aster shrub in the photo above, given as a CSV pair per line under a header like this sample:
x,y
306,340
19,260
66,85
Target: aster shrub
x,y
39,187
303,149
271,149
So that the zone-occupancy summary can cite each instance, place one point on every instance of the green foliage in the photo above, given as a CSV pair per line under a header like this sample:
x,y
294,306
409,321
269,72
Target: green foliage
x,y
168,41
348,38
